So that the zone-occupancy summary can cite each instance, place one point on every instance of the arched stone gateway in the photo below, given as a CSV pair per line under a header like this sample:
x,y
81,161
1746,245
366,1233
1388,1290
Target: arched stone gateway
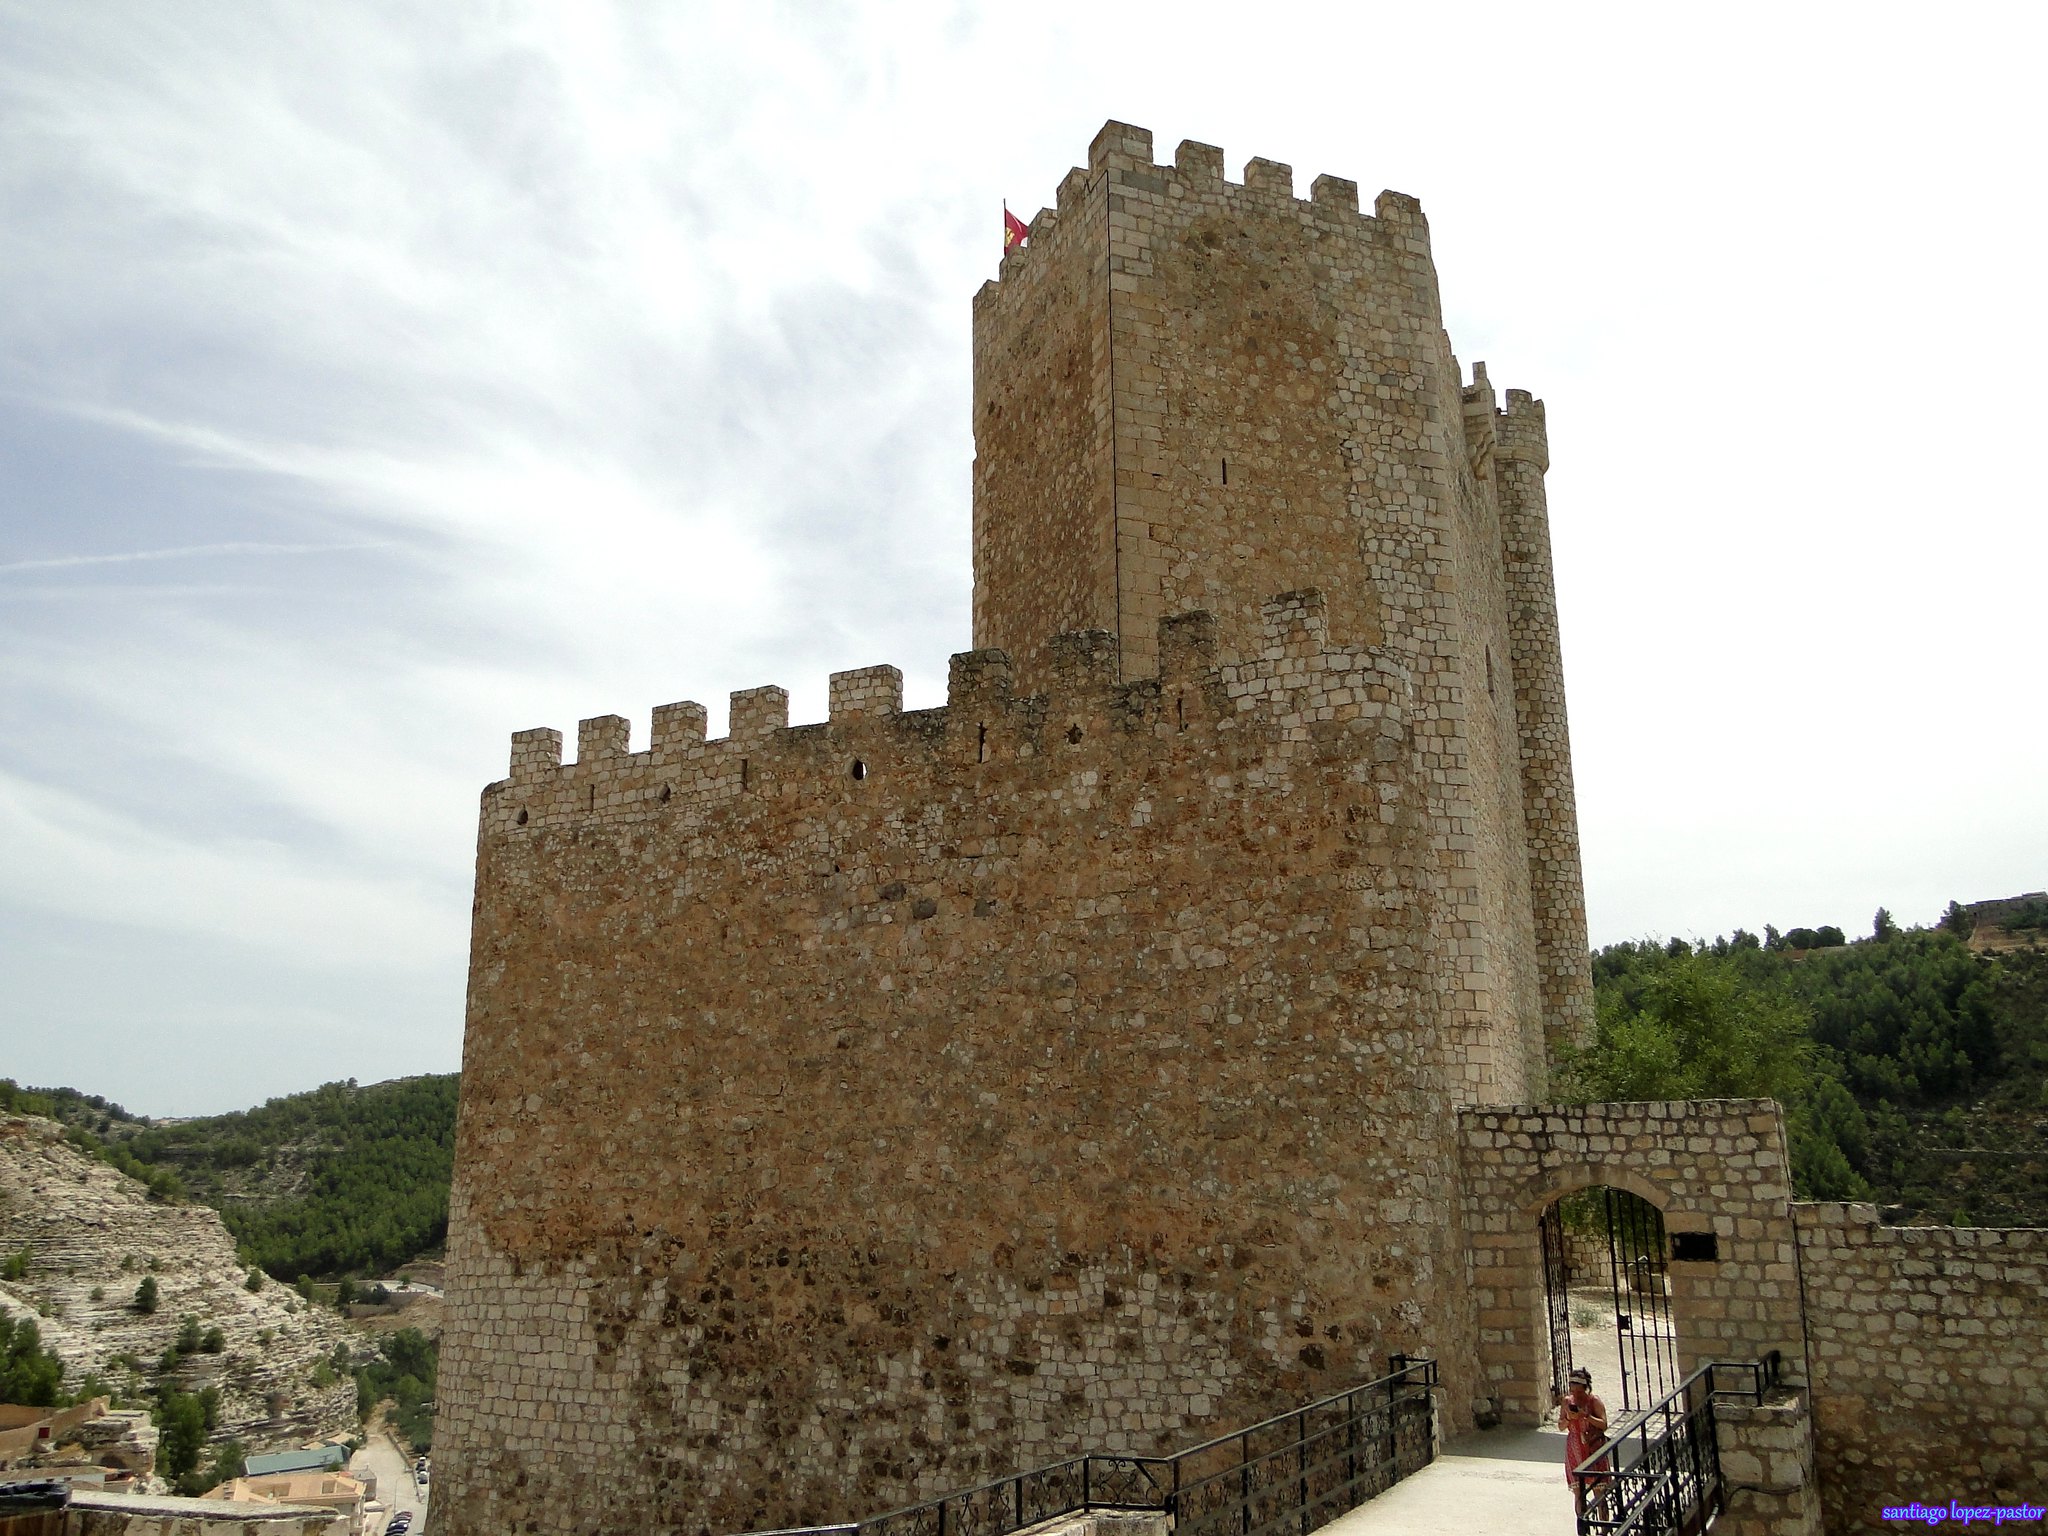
x,y
1717,1170
1607,1289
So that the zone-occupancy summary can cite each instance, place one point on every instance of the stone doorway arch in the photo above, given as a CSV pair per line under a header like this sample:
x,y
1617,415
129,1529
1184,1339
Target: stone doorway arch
x,y
1717,1171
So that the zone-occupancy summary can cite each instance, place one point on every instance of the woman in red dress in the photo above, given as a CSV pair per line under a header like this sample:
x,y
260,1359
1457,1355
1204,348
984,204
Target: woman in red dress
x,y
1583,1418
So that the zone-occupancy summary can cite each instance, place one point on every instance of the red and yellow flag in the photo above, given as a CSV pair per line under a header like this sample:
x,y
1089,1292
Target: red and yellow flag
x,y
1015,230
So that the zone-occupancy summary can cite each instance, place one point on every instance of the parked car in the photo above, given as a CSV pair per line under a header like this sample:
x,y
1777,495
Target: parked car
x,y
400,1524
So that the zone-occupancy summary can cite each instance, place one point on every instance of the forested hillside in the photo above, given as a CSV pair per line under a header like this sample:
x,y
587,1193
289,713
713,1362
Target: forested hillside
x,y
1914,1068
343,1180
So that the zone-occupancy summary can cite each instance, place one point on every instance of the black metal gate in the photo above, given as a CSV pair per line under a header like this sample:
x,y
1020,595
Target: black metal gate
x,y
1638,1284
1557,1295
1639,1275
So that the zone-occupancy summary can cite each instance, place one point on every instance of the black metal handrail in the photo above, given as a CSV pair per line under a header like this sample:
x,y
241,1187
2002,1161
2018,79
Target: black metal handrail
x,y
1658,1473
1292,1472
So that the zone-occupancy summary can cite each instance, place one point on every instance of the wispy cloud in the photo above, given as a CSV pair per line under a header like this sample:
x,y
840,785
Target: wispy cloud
x,y
185,552
86,861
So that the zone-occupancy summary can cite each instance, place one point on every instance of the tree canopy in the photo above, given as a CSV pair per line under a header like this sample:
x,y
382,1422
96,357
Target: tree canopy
x,y
1912,1070
29,1373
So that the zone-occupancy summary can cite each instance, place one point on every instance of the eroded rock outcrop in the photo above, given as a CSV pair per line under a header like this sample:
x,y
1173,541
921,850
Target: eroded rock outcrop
x,y
92,1235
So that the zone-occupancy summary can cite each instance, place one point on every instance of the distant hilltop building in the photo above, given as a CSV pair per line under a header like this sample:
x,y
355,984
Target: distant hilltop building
x,y
856,1111
867,1107
2010,912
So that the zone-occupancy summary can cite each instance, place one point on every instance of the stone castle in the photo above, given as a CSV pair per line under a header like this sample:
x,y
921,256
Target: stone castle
x,y
859,1110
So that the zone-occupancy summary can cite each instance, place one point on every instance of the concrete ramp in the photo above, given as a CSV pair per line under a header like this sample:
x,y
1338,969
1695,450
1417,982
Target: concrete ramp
x,y
1502,1482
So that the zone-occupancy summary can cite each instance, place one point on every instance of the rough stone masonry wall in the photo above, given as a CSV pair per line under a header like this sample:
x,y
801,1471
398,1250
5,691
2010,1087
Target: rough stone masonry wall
x,y
1044,545
1520,450
1500,856
1278,407
1710,1165
1930,1362
1767,1470
854,1112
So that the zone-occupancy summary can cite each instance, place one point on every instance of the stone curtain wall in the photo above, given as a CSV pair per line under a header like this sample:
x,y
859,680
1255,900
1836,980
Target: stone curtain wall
x,y
1930,1362
858,1111
1715,1165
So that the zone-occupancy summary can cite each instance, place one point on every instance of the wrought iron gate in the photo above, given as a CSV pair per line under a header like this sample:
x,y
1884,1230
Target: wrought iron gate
x,y
1639,1275
1638,1284
1557,1295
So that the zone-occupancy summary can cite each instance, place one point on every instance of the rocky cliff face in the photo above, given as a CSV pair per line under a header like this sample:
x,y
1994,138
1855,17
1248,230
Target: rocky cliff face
x,y
89,1229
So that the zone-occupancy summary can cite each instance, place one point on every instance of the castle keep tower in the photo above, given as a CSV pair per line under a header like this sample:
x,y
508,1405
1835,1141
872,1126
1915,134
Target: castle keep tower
x,y
1190,395
860,1110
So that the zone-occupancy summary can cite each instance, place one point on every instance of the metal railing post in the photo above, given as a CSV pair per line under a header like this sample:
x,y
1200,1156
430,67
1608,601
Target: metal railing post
x,y
1400,1367
1301,1471
1351,1444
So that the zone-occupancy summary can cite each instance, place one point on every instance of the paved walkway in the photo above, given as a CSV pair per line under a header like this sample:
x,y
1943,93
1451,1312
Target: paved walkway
x,y
1502,1482
396,1489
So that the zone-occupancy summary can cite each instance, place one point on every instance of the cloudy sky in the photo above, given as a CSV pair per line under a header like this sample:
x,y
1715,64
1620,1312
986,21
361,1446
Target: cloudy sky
x,y
376,380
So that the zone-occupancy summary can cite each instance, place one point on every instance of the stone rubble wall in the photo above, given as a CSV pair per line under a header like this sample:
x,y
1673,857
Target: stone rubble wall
x,y
856,1112
92,1513
1929,1361
87,1226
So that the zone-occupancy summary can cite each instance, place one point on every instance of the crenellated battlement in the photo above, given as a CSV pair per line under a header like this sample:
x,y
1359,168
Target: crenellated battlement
x,y
1296,688
1516,433
1121,159
1524,431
